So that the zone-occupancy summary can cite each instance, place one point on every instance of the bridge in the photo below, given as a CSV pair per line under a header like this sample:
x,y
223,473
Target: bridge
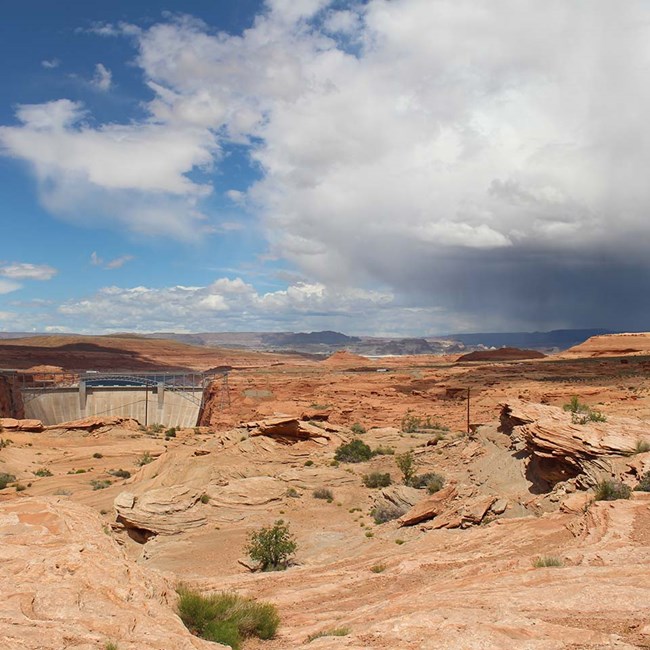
x,y
173,399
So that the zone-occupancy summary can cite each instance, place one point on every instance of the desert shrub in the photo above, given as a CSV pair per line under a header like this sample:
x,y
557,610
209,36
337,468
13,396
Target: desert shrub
x,y
581,413
205,498
226,617
272,546
99,484
145,459
120,473
4,443
412,423
378,568
111,646
309,463
98,455
376,480
156,428
170,433
323,493
644,483
337,631
355,451
5,479
293,493
358,429
612,490
20,487
319,407
406,464
61,492
642,446
431,481
386,512
383,451
547,561
43,471
574,405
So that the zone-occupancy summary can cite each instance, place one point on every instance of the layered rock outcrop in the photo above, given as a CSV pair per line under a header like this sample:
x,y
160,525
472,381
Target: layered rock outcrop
x,y
560,449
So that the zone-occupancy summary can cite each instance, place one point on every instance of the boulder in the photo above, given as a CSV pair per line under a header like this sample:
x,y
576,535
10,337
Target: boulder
x,y
162,511
400,496
287,430
12,424
429,507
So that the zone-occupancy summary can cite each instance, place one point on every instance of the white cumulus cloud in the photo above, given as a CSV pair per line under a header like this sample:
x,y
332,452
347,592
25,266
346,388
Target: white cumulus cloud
x,y
103,78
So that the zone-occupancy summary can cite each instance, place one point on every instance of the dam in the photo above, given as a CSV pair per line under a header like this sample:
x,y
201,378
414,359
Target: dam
x,y
166,398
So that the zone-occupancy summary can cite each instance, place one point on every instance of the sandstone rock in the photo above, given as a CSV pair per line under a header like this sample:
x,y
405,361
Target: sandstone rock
x,y
500,506
576,503
316,415
429,507
287,430
252,491
67,584
560,449
162,511
97,422
399,496
11,424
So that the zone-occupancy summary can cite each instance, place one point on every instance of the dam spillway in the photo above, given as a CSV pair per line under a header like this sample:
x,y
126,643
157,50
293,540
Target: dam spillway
x,y
170,399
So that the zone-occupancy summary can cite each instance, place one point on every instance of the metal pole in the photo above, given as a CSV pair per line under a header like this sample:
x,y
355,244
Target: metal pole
x,y
146,405
468,409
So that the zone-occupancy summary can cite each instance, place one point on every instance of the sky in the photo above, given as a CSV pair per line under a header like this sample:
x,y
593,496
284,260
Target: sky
x,y
386,167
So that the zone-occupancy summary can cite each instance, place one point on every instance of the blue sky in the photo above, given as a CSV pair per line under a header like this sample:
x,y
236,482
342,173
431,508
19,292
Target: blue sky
x,y
407,167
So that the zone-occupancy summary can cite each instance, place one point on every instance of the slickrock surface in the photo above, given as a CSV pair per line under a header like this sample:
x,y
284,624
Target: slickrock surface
x,y
462,577
66,584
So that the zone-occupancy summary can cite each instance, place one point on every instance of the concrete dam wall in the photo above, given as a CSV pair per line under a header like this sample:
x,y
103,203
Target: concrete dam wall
x,y
154,405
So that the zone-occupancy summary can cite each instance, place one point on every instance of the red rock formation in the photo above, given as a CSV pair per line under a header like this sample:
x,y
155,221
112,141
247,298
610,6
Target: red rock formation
x,y
502,354
560,449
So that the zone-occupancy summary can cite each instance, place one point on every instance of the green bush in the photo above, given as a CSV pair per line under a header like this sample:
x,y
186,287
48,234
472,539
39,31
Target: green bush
x,y
98,455
642,446
120,473
5,479
323,493
100,484
431,481
156,428
407,465
644,483
413,423
145,459
581,413
293,493
42,472
357,429
547,561
383,451
272,546
612,490
377,480
355,451
387,512
337,631
226,617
